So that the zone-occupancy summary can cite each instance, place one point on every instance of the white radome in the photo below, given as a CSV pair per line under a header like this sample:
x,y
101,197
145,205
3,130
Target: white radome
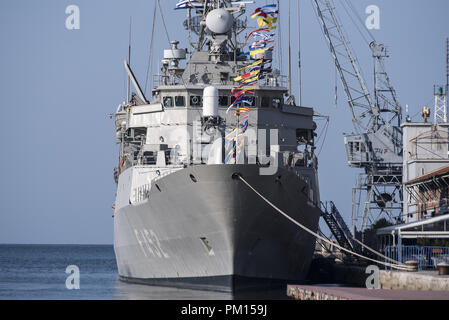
x,y
210,102
219,21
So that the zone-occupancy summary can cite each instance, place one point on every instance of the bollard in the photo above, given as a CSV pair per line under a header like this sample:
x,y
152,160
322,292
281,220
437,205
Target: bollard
x,y
413,264
443,269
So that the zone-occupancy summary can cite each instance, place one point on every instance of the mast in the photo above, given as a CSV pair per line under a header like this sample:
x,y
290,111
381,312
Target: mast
x,y
129,59
289,53
299,55
447,71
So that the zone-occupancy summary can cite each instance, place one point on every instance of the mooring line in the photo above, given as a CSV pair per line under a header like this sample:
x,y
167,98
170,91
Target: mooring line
x,y
394,266
377,252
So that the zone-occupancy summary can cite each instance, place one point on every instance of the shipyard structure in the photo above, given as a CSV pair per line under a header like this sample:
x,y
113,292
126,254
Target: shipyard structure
x,y
425,215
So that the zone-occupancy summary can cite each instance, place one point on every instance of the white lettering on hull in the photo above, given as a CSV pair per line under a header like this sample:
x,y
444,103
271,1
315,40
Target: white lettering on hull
x,y
150,244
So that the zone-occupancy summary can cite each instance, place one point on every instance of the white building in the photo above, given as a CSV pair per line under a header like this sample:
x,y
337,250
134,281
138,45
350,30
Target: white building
x,y
426,150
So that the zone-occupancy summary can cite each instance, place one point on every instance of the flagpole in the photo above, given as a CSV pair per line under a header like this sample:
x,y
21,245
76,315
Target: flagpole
x,y
299,56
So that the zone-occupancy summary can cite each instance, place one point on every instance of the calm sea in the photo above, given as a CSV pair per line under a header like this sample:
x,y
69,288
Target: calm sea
x,y
38,272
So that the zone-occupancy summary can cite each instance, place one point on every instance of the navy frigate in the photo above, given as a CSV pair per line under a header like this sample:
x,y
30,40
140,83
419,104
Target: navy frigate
x,y
183,217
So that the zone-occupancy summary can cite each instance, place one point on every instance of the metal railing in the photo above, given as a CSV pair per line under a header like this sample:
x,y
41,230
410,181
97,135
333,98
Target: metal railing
x,y
336,225
271,82
427,257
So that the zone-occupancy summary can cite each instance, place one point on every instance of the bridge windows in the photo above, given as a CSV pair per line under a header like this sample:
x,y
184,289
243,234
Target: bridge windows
x,y
177,101
223,101
168,102
180,101
265,102
270,102
276,103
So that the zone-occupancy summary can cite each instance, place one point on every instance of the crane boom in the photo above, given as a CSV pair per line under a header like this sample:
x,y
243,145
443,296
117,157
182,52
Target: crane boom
x,y
353,83
377,146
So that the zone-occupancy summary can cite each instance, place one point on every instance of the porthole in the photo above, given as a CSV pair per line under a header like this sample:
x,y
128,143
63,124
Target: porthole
x,y
193,178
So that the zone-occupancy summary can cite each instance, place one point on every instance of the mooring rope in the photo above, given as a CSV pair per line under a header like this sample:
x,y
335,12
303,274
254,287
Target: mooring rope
x,y
394,266
377,252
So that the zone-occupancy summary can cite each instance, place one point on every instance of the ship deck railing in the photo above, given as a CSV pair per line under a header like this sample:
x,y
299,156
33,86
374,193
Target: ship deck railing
x,y
280,82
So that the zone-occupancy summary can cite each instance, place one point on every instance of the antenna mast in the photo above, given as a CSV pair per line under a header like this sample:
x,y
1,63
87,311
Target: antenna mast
x,y
129,59
441,97
299,55
289,53
447,70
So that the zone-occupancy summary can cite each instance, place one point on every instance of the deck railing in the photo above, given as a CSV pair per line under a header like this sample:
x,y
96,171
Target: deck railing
x,y
277,82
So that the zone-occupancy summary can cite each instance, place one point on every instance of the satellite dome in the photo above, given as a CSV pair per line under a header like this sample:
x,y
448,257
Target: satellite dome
x,y
219,21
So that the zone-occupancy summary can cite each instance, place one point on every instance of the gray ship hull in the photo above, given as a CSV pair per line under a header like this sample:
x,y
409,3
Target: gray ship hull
x,y
202,229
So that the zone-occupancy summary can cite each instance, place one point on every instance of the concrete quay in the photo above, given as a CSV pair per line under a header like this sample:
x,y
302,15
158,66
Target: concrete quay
x,y
395,280
424,281
299,292
353,275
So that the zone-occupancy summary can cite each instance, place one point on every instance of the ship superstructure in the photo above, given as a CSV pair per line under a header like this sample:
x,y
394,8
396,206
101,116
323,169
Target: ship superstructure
x,y
181,216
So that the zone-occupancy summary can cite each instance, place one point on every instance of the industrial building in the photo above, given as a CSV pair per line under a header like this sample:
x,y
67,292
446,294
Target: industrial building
x,y
425,179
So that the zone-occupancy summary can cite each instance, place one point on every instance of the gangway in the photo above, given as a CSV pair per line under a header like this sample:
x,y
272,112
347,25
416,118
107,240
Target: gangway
x,y
337,225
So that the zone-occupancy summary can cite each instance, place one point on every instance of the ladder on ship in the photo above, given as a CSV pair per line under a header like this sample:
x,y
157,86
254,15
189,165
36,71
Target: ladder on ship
x,y
337,225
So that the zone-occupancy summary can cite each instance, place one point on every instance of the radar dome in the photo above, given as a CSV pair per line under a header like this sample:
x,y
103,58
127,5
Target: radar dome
x,y
219,21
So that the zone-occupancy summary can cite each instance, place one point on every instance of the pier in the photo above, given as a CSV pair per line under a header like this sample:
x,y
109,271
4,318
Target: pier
x,y
347,274
349,283
298,292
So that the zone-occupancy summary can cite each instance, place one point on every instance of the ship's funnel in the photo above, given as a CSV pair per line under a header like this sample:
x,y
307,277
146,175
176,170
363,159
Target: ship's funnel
x,y
219,21
210,102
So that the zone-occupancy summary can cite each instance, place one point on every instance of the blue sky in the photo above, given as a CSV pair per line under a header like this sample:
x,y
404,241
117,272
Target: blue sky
x,y
58,86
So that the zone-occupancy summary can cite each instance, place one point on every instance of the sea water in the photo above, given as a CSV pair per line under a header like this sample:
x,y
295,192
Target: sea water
x,y
39,272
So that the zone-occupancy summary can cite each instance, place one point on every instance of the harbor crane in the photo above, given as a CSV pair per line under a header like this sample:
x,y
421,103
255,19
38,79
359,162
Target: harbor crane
x,y
376,146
